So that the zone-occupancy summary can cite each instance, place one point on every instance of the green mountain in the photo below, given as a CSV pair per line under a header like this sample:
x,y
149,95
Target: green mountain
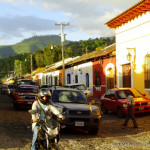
x,y
30,45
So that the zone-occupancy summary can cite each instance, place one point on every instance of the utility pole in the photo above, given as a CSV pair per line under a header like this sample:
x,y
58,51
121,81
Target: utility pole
x,y
20,69
31,62
62,45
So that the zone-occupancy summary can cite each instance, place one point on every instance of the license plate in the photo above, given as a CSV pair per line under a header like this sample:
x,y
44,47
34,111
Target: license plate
x,y
78,123
141,108
29,102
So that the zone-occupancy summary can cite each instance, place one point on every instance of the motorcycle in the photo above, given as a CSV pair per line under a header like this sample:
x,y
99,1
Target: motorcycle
x,y
49,133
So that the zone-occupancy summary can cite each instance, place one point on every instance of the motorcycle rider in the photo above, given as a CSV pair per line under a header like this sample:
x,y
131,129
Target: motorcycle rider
x,y
44,107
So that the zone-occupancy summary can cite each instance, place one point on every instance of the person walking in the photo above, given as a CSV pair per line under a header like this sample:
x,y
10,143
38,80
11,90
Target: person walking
x,y
130,112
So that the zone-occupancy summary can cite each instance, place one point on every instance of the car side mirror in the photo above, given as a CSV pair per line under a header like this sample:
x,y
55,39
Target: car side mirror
x,y
144,94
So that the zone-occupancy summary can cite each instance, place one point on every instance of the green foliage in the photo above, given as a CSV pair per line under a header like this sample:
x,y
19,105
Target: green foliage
x,y
44,54
39,58
68,52
87,46
17,66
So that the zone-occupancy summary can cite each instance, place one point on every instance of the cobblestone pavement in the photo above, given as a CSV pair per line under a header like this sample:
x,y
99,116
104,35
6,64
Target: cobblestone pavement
x,y
15,134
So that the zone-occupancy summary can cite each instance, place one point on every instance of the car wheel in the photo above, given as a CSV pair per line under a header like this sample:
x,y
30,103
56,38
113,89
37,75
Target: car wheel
x,y
104,109
94,130
120,112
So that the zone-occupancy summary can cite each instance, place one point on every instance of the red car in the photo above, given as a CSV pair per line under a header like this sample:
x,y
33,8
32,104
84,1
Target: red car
x,y
115,100
24,95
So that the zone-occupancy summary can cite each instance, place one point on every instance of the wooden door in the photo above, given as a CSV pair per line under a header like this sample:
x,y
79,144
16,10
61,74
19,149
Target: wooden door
x,y
126,70
110,78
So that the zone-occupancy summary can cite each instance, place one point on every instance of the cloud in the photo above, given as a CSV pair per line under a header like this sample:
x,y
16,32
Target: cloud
x,y
85,16
89,16
19,24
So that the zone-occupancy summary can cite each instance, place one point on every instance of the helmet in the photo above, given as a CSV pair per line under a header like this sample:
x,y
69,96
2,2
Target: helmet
x,y
44,93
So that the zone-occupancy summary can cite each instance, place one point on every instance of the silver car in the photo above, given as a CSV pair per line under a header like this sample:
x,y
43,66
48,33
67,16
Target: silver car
x,y
76,109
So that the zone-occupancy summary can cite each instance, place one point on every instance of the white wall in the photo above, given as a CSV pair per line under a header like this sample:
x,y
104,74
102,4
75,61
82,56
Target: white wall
x,y
85,68
134,34
50,75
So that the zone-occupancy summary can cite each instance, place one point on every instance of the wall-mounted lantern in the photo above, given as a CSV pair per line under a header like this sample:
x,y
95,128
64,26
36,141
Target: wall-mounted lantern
x,y
147,56
80,71
129,56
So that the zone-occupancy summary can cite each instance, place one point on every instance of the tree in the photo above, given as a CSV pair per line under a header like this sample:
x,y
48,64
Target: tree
x,y
39,58
57,53
99,43
18,69
85,46
68,52
48,55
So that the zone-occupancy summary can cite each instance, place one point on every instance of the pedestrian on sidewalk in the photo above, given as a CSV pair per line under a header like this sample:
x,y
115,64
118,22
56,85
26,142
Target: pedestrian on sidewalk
x,y
130,112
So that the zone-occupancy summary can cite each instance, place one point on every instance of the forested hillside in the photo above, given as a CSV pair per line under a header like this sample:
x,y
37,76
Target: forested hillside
x,y
29,45
44,56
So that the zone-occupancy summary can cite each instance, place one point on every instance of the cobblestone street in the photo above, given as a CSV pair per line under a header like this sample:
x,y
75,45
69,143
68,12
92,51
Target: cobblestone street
x,y
15,134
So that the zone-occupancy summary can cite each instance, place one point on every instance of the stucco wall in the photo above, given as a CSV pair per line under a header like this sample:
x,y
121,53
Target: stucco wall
x,y
133,37
103,70
81,71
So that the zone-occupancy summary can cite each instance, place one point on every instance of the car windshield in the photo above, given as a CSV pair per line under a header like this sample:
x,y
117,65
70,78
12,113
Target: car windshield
x,y
79,87
65,96
122,94
10,86
25,89
44,86
26,82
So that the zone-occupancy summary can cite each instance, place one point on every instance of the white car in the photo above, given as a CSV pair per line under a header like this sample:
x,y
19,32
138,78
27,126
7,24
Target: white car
x,y
82,88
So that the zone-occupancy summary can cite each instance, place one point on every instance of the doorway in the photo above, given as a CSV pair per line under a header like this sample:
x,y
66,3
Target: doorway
x,y
110,78
126,71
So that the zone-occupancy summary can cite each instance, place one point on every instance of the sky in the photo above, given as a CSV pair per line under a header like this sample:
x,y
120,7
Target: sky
x,y
21,19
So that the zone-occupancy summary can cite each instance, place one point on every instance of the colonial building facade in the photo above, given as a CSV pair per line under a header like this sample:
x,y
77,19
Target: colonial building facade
x,y
132,29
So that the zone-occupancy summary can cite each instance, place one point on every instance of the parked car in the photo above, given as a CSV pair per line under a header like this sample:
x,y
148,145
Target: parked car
x,y
115,100
24,96
4,89
43,86
75,107
82,88
22,81
10,89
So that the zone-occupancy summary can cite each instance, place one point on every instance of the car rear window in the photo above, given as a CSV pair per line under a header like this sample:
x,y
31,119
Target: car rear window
x,y
69,97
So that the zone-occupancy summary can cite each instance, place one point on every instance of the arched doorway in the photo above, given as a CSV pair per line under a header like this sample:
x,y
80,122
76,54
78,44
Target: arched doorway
x,y
110,79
